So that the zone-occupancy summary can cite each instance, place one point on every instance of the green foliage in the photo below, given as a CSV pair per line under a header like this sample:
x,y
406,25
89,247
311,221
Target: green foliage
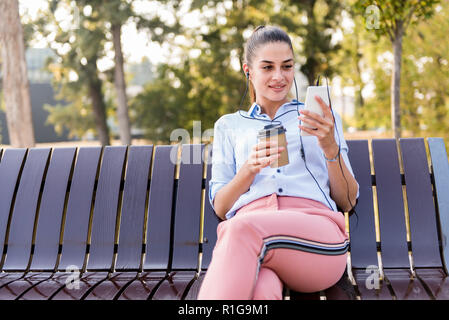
x,y
78,47
205,87
75,117
426,77
392,12
181,95
314,23
205,80
424,83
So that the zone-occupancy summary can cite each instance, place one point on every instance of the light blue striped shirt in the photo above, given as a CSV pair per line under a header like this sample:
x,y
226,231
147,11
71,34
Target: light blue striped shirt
x,y
235,135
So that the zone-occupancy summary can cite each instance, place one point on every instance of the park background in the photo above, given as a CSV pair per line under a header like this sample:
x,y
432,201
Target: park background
x,y
131,72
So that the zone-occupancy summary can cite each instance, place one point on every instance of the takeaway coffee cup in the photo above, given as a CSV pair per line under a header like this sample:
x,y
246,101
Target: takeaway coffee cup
x,y
275,132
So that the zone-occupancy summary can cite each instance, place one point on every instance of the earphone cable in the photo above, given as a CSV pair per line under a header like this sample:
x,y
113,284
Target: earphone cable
x,y
352,210
302,151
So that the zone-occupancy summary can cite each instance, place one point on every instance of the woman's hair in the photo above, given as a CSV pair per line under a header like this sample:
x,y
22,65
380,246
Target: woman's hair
x,y
262,35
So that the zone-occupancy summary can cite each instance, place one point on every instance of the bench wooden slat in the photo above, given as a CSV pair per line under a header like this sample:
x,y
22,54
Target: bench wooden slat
x,y
49,222
436,280
440,169
132,218
129,250
393,236
106,207
187,224
86,283
175,286
44,290
361,227
52,209
76,224
160,209
210,224
421,208
14,289
194,289
337,293
404,286
109,288
143,286
365,284
188,208
24,213
10,166
157,255
8,277
79,207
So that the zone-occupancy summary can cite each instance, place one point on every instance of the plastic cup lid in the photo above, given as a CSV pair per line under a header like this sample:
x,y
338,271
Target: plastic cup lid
x,y
271,130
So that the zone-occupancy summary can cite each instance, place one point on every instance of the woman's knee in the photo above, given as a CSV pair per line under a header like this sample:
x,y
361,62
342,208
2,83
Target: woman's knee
x,y
307,272
236,228
268,285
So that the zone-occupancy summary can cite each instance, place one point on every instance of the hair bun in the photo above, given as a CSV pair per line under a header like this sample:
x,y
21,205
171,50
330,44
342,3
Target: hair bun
x,y
258,28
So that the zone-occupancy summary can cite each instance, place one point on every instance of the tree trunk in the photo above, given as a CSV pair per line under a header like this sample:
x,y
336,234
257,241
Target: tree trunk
x,y
360,100
396,79
98,106
120,87
311,65
15,77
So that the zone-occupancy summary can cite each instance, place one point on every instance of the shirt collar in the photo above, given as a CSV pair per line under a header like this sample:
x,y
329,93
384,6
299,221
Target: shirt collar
x,y
255,109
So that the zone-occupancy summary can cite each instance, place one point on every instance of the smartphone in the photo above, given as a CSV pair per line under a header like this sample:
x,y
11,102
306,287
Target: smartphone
x,y
312,105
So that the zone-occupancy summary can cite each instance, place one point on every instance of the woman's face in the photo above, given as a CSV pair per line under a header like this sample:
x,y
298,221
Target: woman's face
x,y
272,72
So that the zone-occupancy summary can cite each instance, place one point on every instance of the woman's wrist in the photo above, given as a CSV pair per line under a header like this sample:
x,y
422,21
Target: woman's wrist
x,y
246,171
332,154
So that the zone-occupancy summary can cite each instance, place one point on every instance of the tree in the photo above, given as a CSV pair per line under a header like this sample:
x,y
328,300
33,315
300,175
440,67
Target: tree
x,y
207,79
205,82
425,89
15,77
78,46
115,14
93,26
391,18
314,22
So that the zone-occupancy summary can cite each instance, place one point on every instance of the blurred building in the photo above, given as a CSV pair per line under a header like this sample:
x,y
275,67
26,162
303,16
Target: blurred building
x,y
41,93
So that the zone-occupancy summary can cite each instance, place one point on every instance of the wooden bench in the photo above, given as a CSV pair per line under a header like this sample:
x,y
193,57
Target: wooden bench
x,y
137,225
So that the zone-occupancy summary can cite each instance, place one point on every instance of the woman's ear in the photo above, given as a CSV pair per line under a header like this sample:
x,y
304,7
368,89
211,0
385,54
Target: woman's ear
x,y
246,70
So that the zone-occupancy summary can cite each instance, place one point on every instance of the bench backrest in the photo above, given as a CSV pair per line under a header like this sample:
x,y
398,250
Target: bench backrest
x,y
415,179
99,208
135,208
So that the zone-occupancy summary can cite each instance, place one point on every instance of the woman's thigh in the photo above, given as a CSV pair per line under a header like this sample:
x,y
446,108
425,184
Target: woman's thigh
x,y
305,271
302,248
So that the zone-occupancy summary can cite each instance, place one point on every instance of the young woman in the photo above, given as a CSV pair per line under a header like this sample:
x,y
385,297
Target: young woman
x,y
282,226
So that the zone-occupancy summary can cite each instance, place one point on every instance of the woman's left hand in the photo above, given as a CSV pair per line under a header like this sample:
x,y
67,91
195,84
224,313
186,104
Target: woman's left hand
x,y
323,128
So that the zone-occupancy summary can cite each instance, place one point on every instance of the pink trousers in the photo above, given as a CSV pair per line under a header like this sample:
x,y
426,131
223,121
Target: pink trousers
x,y
276,241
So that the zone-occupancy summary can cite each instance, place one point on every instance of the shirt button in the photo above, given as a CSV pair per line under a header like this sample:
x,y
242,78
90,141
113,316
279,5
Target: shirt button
x,y
280,189
278,170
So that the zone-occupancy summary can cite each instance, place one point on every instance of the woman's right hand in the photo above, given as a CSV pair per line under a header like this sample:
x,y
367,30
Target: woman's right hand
x,y
262,155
